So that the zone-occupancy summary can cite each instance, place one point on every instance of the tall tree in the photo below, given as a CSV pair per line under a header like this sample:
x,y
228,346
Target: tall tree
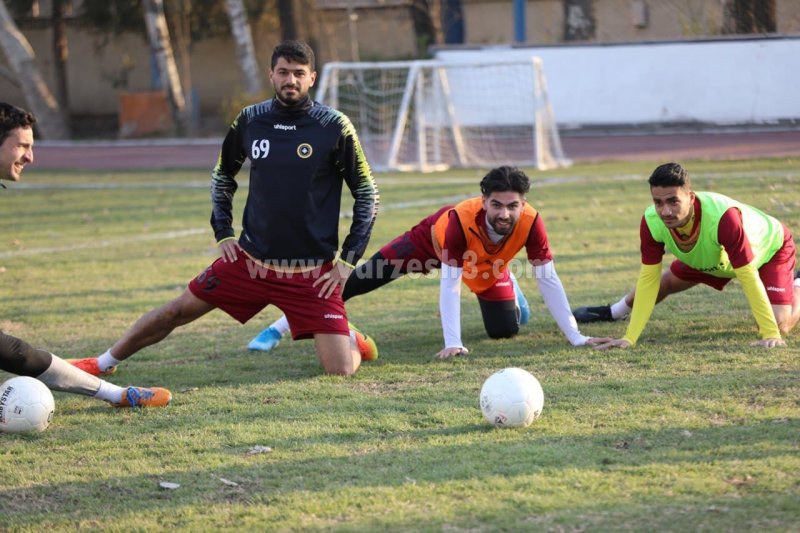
x,y
754,16
425,15
60,52
178,15
40,101
160,44
245,51
287,18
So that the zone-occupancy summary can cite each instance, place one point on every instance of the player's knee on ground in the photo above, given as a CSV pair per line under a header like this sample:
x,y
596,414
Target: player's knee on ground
x,y
500,318
337,355
19,357
785,319
786,326
340,370
339,366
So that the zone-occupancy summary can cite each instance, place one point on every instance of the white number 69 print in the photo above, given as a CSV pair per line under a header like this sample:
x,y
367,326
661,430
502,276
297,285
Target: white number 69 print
x,y
260,149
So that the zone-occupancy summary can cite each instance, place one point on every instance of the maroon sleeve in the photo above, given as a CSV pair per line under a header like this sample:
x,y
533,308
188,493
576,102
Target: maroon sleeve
x,y
731,236
652,250
455,242
537,245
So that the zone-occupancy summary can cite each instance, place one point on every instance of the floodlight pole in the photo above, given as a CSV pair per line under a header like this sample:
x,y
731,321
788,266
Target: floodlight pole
x,y
519,21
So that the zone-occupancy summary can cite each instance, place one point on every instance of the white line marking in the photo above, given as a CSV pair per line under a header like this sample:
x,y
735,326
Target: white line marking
x,y
116,186
536,181
104,244
440,201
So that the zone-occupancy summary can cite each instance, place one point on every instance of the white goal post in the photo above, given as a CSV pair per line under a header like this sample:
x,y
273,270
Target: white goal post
x,y
432,115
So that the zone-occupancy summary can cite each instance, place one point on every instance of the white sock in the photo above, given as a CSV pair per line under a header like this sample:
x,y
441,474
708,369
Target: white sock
x,y
107,361
110,392
620,309
282,325
62,376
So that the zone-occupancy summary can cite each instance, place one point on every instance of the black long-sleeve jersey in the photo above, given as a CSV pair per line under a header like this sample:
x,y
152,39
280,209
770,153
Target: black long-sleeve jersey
x,y
299,155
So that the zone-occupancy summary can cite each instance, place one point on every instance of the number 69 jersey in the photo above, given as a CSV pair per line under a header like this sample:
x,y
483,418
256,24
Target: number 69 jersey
x,y
300,156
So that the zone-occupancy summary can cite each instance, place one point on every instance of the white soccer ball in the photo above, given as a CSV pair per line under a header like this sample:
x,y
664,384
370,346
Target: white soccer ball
x,y
511,398
26,404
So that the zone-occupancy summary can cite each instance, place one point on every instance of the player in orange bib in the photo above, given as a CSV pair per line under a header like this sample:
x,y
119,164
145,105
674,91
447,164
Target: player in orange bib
x,y
476,242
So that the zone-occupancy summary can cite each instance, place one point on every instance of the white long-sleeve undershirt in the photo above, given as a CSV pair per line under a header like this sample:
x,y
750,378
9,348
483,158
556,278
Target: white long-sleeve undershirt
x,y
549,286
556,301
450,305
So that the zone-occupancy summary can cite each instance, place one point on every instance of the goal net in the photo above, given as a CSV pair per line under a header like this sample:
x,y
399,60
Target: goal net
x,y
431,115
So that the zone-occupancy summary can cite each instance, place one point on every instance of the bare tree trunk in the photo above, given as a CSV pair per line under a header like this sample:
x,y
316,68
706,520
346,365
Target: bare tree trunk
x,y
753,16
314,30
158,35
245,51
427,26
286,16
39,99
8,76
352,31
60,56
177,13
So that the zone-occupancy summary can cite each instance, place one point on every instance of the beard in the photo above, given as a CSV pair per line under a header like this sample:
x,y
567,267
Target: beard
x,y
502,226
288,98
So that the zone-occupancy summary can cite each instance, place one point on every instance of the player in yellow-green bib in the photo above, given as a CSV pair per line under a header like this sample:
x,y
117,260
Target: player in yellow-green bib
x,y
714,239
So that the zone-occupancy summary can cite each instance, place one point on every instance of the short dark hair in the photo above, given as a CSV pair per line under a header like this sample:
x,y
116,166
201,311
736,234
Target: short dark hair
x,y
13,117
503,179
295,52
670,175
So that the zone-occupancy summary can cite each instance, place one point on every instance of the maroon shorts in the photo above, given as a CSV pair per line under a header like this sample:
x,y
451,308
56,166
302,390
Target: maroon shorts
x,y
502,290
413,252
777,274
243,288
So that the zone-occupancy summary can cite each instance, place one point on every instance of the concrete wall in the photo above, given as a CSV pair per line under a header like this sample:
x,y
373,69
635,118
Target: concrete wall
x,y
491,21
717,82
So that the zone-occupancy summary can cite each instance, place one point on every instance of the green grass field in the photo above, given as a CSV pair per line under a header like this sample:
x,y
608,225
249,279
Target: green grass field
x,y
692,430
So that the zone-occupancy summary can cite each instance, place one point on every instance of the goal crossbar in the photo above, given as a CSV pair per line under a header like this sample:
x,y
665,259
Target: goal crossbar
x,y
430,115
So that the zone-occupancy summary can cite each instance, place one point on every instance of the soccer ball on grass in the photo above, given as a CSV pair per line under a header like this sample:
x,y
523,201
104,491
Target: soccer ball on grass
x,y
26,404
511,398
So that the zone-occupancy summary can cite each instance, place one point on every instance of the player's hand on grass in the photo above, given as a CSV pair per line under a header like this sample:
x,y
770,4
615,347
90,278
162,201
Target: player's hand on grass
x,y
609,344
596,341
769,343
229,250
335,277
452,352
